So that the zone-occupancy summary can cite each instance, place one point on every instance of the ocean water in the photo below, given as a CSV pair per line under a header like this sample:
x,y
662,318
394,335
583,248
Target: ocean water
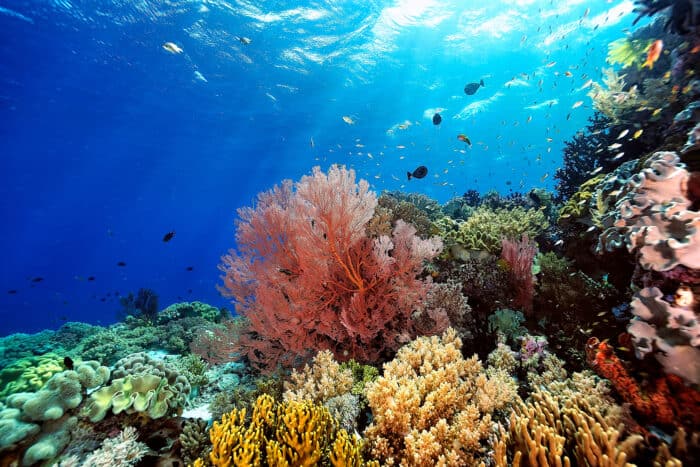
x,y
108,141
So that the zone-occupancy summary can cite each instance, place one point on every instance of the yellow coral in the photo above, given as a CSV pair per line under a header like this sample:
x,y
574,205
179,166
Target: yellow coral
x,y
297,433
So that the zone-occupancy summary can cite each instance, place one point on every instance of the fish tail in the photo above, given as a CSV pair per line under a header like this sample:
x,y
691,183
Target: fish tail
x,y
408,175
481,82
649,64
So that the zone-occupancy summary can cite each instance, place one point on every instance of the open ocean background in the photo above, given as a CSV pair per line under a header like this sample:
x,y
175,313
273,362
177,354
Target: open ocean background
x,y
108,141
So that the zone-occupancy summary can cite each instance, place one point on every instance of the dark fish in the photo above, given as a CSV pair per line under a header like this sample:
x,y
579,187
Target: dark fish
x,y
471,88
91,278
121,264
437,119
68,363
103,299
534,197
37,279
189,268
12,291
420,172
168,236
189,291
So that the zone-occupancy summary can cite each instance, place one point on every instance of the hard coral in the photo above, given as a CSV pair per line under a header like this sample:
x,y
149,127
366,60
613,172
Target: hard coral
x,y
432,406
292,433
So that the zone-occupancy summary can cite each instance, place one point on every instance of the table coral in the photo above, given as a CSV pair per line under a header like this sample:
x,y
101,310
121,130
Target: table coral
x,y
433,406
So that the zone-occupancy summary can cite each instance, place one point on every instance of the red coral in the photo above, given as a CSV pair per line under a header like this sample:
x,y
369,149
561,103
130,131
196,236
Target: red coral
x,y
308,278
519,256
665,400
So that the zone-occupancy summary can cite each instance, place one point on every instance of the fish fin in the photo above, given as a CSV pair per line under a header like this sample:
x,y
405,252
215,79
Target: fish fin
x,y
481,82
408,175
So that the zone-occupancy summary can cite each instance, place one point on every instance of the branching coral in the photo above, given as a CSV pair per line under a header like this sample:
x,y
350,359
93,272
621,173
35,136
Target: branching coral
x,y
432,406
291,433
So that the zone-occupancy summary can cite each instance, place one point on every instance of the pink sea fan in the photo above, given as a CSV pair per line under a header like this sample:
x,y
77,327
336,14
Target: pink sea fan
x,y
307,277
519,255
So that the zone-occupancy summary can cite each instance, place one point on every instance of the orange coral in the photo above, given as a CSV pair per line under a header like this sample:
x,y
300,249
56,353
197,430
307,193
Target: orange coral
x,y
665,400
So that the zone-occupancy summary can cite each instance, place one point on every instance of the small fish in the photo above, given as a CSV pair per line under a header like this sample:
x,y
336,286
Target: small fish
x,y
591,228
653,53
585,13
91,278
596,171
656,112
614,146
471,88
168,236
172,48
618,155
189,268
622,134
559,242
568,74
602,313
311,142
121,264
544,177
577,104
462,137
37,279
568,116
12,291
550,64
348,120
437,119
244,40
285,271
420,172
638,133
68,363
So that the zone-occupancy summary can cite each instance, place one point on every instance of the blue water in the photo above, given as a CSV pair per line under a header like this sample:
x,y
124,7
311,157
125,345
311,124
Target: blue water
x,y
108,141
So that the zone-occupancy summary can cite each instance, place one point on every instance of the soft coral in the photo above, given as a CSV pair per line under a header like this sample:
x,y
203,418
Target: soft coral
x,y
308,278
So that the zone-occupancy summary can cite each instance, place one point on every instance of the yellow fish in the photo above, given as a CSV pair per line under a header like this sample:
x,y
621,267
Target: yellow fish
x,y
348,120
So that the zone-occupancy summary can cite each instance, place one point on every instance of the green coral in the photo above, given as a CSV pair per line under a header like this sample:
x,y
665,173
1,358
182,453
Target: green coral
x,y
194,368
29,374
577,206
506,324
486,227
628,52
189,310
361,375
140,384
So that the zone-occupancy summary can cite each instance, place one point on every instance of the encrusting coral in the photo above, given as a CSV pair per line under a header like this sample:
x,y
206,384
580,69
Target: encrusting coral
x,y
432,406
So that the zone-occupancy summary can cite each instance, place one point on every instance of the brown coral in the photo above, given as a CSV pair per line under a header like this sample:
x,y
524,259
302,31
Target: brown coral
x,y
432,406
